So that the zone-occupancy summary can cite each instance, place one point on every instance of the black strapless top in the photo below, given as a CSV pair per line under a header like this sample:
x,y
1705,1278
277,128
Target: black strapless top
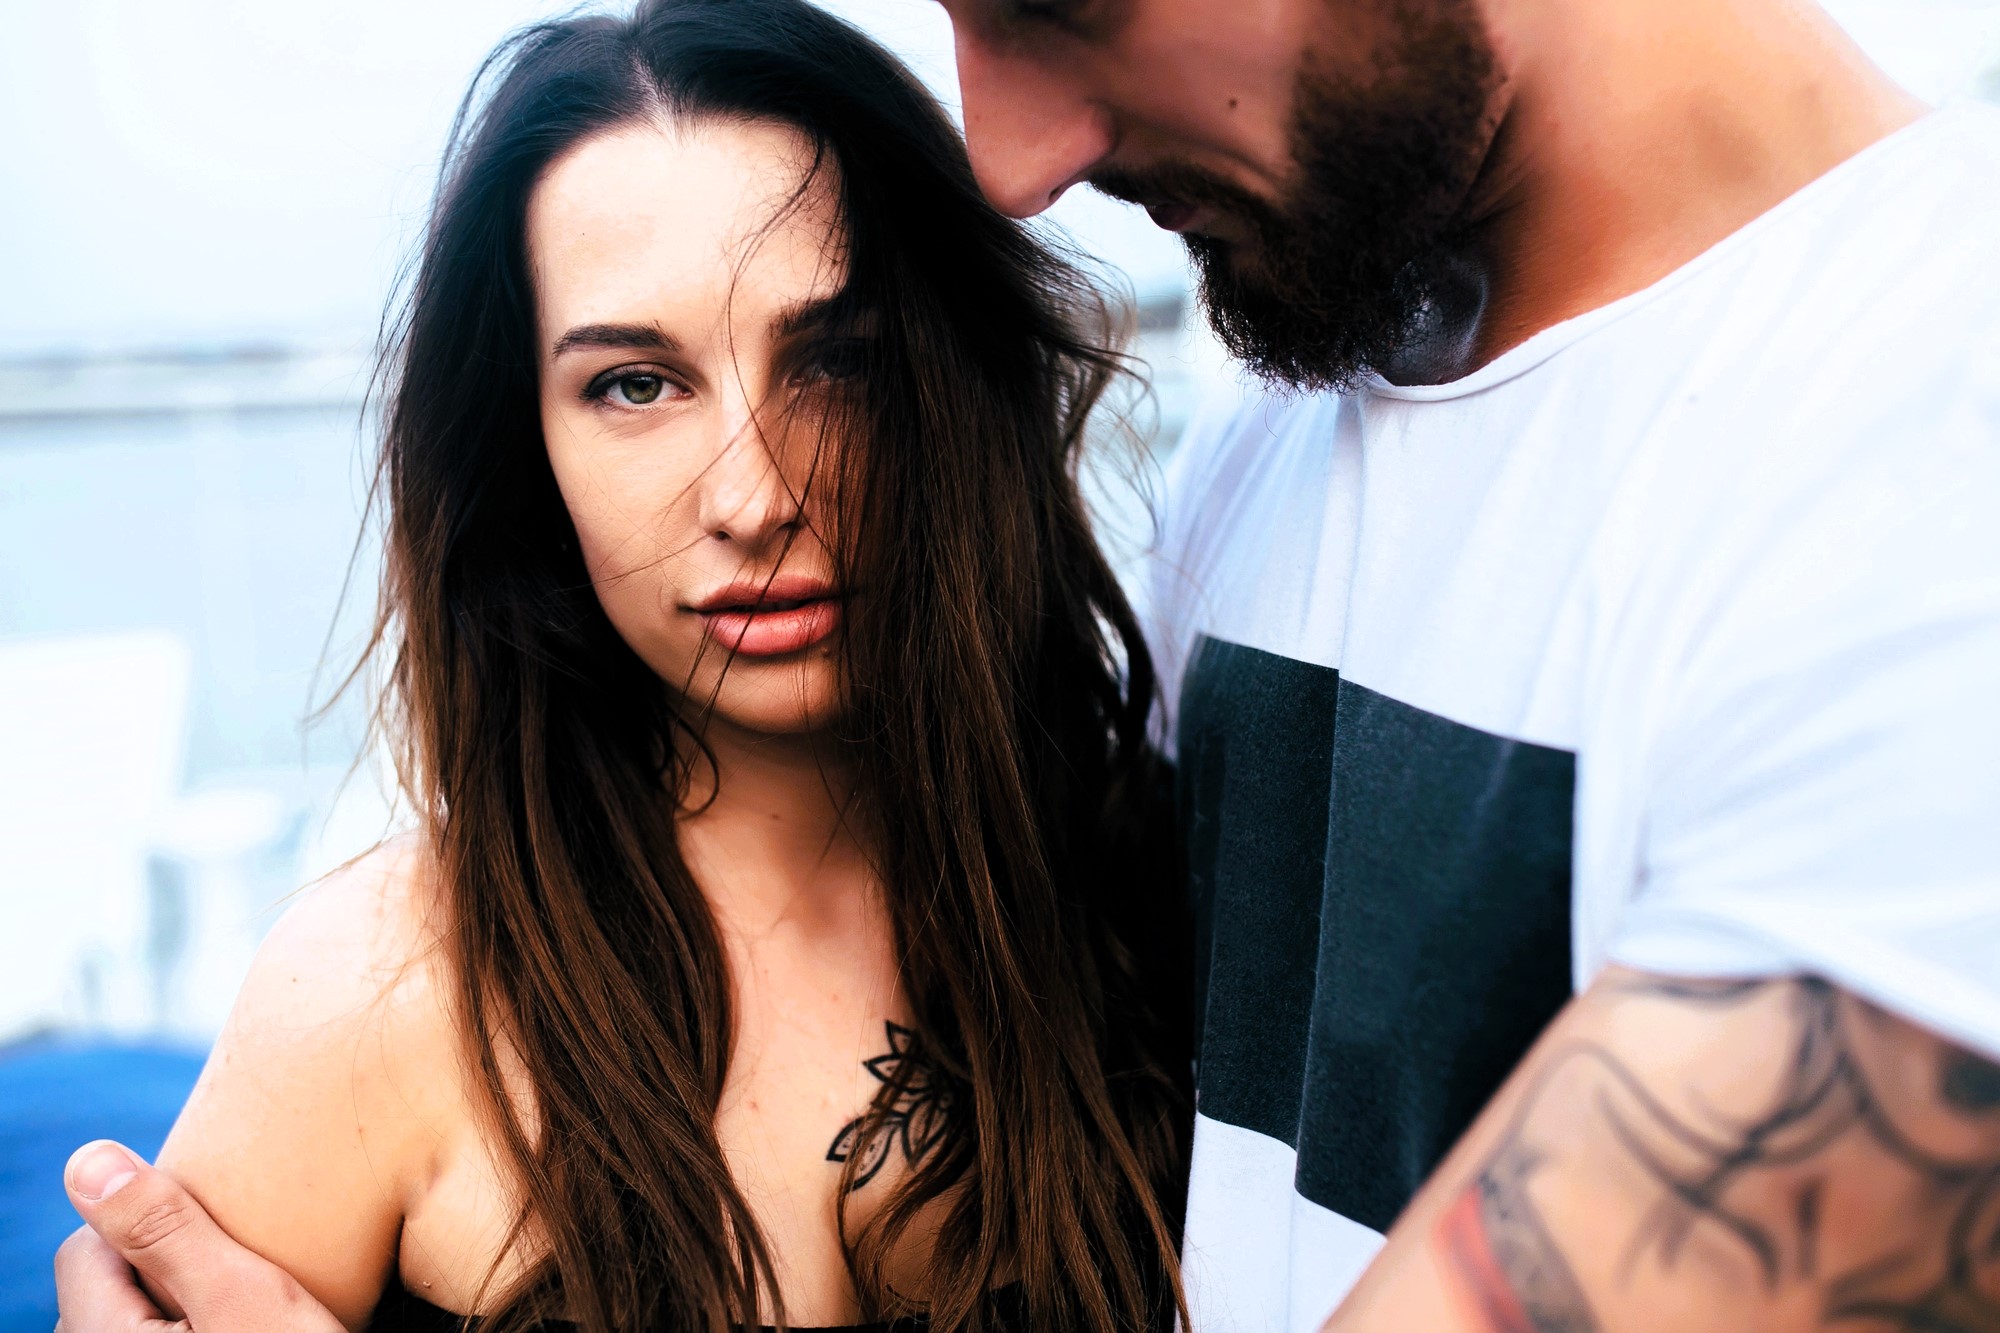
x,y
401,1312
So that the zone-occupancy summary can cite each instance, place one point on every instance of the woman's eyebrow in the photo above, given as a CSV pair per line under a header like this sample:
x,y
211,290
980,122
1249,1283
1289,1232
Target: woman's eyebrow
x,y
811,316
634,337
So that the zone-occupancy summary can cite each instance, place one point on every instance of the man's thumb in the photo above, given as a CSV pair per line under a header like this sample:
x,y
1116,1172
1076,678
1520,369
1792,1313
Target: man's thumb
x,y
148,1218
192,1267
98,1170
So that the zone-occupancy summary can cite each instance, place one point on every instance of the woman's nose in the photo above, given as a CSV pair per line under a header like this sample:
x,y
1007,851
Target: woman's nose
x,y
746,498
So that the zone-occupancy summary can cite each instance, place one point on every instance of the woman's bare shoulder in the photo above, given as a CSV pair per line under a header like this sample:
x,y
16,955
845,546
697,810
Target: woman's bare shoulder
x,y
355,969
359,948
320,1115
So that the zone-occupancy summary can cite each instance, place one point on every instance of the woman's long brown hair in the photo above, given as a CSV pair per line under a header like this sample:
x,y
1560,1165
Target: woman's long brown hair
x,y
998,716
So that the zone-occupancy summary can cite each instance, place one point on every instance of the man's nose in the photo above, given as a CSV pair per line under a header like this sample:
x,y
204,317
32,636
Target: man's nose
x,y
1031,130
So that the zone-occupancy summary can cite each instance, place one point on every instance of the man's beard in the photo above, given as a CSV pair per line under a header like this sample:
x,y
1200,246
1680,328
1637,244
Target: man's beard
x,y
1337,279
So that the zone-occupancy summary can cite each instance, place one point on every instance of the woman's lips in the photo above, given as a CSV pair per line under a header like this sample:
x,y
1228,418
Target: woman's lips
x,y
773,624
772,632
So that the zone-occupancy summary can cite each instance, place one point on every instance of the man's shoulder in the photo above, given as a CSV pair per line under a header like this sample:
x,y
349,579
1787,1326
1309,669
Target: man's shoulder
x,y
1904,253
1866,315
1882,268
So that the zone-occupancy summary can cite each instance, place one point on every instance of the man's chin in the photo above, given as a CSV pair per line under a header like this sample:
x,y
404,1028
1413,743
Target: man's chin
x,y
1284,341
1217,259
1237,286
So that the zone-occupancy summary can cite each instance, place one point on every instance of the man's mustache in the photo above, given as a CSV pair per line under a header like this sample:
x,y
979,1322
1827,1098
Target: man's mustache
x,y
1168,185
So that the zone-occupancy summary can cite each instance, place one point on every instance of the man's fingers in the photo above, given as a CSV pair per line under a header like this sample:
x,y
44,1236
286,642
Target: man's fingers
x,y
97,1292
190,1265
148,1219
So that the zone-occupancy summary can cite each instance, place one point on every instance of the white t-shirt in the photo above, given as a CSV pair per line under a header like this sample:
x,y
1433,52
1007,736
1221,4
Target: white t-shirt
x,y
1671,636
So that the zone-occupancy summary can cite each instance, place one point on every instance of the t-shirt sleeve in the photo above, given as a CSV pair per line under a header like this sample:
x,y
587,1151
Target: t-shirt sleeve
x,y
1823,793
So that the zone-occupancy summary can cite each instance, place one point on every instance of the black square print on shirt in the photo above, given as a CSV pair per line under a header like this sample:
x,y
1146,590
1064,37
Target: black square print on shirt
x,y
1382,899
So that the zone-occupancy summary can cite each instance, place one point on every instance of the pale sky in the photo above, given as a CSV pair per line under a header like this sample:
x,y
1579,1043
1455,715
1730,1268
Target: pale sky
x,y
212,172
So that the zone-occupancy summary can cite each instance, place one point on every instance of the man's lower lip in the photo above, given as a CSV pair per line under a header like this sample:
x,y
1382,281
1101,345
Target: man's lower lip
x,y
773,633
1173,217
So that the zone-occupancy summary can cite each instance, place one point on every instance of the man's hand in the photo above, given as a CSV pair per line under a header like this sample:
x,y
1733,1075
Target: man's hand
x,y
145,1227
1768,1156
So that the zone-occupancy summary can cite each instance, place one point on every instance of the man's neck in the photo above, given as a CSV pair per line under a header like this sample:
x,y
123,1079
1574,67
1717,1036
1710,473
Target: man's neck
x,y
1635,135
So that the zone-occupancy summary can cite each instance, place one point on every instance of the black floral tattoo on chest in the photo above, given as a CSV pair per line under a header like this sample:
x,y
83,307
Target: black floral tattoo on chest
x,y
916,1115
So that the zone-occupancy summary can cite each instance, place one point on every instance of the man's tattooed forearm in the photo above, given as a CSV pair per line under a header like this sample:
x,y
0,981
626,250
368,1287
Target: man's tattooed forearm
x,y
1853,1119
1512,1265
912,1110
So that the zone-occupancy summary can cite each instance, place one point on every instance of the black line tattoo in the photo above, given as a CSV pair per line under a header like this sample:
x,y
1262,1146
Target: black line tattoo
x,y
1497,1240
916,1115
1905,1274
1807,1221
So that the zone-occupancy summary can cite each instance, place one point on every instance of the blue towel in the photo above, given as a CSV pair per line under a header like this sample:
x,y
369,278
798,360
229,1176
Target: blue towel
x,y
54,1096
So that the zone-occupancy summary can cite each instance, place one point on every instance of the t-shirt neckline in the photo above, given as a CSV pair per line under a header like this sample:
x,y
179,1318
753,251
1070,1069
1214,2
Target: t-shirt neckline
x,y
1519,360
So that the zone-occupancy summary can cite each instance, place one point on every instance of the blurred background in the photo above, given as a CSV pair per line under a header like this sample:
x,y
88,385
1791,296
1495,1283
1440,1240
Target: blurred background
x,y
203,206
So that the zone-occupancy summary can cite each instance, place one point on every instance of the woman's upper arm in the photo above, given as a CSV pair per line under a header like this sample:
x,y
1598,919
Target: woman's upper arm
x,y
321,1105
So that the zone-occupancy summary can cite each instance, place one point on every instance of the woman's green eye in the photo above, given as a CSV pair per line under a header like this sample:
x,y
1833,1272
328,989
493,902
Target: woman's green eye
x,y
639,390
625,387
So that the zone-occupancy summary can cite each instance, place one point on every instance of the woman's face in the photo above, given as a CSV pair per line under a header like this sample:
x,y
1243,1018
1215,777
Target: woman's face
x,y
688,373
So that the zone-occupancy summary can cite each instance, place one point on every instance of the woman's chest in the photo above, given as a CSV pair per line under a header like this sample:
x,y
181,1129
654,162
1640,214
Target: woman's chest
x,y
814,1048
794,1124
